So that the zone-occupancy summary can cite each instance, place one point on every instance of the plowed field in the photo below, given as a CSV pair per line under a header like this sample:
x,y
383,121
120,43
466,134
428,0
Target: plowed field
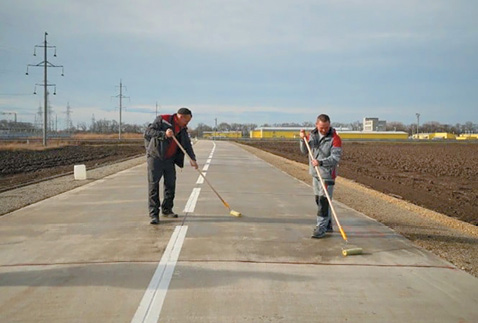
x,y
439,176
22,166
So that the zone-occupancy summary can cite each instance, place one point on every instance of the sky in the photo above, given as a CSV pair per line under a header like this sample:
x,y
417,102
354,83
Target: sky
x,y
238,61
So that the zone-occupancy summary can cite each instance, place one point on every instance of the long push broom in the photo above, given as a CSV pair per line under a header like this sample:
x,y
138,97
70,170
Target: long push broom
x,y
345,251
231,211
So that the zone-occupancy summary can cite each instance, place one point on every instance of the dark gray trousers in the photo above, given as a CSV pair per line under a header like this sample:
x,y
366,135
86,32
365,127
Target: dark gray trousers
x,y
158,168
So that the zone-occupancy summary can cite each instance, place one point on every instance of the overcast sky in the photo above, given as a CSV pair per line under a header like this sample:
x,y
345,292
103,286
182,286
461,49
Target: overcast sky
x,y
269,61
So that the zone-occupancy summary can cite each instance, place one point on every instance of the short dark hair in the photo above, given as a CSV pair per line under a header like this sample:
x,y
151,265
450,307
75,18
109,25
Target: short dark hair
x,y
185,110
323,118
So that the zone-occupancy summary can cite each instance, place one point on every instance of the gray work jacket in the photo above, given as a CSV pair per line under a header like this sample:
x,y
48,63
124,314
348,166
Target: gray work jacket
x,y
327,151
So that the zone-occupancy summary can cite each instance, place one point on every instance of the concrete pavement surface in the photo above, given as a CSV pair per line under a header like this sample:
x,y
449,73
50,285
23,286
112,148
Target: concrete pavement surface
x,y
90,255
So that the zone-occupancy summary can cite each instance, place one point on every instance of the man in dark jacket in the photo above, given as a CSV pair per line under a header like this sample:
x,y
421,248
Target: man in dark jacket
x,y
163,154
326,147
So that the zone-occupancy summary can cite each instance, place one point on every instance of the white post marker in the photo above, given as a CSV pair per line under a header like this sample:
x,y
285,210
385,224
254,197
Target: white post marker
x,y
79,172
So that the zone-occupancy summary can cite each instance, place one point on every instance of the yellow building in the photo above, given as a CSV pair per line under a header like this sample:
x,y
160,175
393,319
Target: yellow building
x,y
293,132
373,135
222,134
421,136
434,136
277,132
468,136
443,135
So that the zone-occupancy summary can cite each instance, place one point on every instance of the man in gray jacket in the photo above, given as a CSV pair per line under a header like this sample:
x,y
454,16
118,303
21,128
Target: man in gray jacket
x,y
163,154
326,147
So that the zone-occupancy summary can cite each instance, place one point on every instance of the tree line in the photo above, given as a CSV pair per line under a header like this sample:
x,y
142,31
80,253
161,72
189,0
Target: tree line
x,y
428,127
112,126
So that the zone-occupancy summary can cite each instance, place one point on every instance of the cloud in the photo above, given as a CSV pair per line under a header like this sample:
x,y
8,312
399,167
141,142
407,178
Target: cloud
x,y
212,25
264,61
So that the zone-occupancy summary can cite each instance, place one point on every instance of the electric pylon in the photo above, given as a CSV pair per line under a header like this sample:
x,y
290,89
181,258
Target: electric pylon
x,y
121,97
45,64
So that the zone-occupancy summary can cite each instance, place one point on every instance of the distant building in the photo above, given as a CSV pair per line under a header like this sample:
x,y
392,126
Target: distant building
x,y
293,133
374,124
468,136
278,132
435,136
222,134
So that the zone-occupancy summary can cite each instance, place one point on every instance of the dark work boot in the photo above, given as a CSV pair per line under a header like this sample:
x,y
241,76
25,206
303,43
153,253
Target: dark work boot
x,y
318,233
169,213
154,220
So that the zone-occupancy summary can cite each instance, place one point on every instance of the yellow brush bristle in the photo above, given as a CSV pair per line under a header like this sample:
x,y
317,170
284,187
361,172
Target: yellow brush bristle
x,y
235,213
352,251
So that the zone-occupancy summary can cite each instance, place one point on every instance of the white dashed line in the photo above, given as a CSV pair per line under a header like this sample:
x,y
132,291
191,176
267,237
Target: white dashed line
x,y
150,307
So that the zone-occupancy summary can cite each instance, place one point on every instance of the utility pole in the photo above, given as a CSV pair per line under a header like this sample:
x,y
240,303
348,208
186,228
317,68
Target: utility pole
x,y
68,122
39,123
156,109
45,64
8,112
418,121
120,96
93,124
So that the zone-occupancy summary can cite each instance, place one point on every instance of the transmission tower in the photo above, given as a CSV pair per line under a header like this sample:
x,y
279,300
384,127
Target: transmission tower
x,y
121,97
45,64
39,117
93,124
418,121
69,124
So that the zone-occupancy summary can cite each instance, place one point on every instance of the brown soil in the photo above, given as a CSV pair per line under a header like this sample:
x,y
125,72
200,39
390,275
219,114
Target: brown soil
x,y
438,176
23,166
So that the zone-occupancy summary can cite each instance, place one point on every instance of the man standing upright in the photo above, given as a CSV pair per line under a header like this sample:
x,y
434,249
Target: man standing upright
x,y
326,147
163,154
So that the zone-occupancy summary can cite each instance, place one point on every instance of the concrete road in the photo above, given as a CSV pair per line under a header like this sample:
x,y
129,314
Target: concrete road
x,y
90,255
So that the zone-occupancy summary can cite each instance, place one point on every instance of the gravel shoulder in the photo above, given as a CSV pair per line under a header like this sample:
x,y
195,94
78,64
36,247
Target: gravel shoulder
x,y
446,237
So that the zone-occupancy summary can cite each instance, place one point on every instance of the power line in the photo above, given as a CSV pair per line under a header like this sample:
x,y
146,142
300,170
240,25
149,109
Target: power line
x,y
121,97
11,113
69,123
45,64
15,94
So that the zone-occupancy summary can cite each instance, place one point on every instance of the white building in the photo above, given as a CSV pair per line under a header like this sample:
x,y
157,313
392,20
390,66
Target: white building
x,y
374,124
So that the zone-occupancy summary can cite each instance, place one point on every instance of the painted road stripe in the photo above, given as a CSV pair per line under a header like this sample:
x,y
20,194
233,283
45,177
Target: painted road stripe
x,y
193,198
200,179
150,307
205,168
152,302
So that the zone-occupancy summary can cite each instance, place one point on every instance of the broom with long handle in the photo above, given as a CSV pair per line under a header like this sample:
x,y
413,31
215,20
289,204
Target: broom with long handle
x,y
345,252
231,211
